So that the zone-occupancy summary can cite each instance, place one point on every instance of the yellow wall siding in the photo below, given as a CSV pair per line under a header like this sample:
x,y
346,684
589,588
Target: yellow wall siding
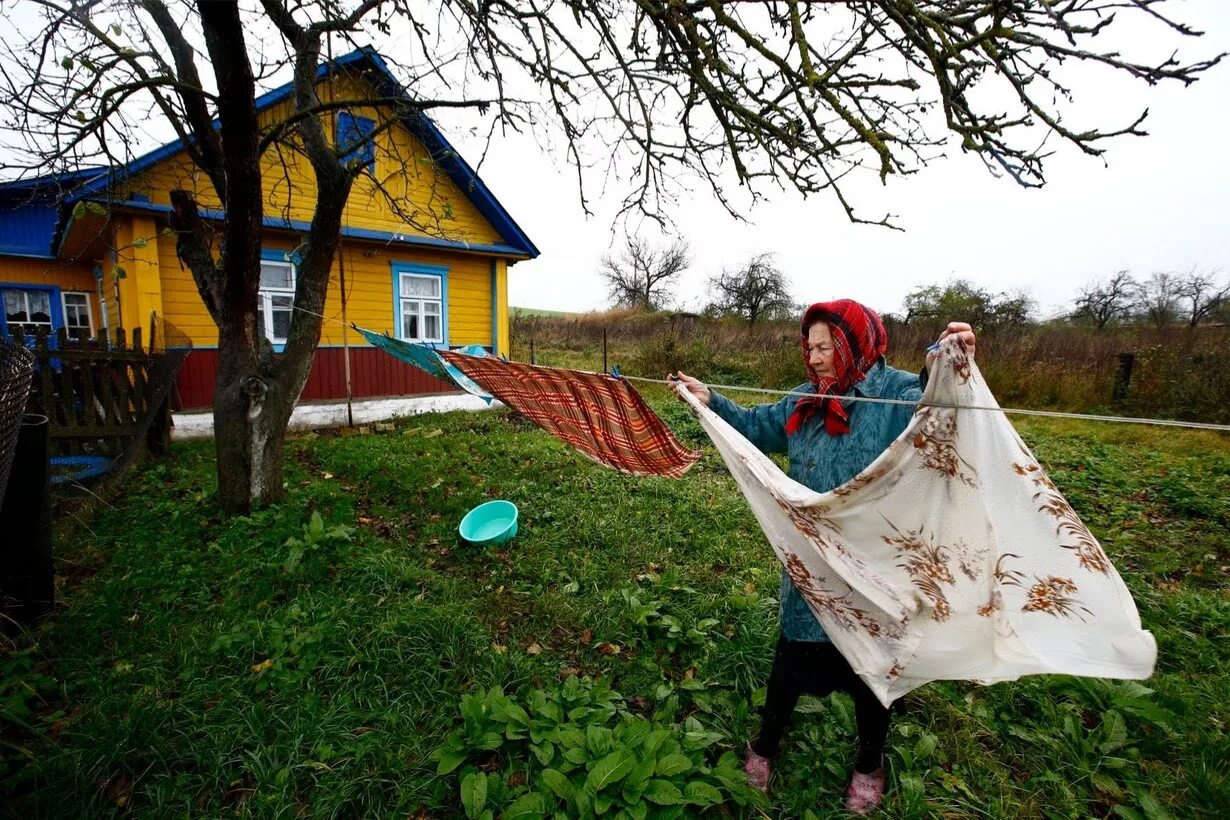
x,y
369,287
430,203
74,277
127,285
501,300
181,301
369,292
136,251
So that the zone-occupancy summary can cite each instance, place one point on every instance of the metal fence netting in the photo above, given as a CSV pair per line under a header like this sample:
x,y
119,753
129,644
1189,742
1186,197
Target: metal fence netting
x,y
16,371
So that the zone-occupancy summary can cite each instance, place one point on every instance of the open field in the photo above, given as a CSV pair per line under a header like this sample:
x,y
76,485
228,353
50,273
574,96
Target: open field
x,y
261,666
1178,372
525,312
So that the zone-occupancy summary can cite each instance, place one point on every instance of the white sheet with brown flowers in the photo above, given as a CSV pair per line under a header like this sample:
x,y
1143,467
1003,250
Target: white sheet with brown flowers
x,y
952,556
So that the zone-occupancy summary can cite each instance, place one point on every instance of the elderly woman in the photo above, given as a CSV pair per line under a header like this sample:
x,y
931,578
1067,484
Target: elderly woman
x,y
828,442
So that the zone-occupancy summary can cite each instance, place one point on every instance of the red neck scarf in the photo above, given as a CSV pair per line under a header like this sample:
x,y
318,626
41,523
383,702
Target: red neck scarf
x,y
859,341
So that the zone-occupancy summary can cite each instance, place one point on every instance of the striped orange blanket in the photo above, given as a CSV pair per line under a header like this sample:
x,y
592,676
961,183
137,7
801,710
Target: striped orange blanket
x,y
600,415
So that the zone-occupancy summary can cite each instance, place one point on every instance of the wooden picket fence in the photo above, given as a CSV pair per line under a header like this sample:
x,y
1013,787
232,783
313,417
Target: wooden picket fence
x,y
93,391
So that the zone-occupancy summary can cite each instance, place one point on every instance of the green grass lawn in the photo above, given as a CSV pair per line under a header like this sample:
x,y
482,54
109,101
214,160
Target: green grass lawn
x,y
542,312
611,657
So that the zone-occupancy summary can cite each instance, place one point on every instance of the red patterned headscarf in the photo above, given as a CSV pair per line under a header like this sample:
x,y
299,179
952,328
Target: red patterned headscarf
x,y
859,341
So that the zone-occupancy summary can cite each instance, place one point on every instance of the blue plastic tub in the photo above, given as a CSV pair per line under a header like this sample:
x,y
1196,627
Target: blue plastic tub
x,y
490,524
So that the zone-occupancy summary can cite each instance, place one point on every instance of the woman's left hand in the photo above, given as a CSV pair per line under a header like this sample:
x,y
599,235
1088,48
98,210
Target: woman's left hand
x,y
964,331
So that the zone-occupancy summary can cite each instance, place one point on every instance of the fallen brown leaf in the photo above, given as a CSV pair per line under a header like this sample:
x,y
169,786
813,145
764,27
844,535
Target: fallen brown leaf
x,y
609,648
53,731
118,789
587,635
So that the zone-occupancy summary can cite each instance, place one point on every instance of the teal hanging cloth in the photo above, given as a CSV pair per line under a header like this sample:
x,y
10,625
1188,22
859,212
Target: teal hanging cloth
x,y
428,360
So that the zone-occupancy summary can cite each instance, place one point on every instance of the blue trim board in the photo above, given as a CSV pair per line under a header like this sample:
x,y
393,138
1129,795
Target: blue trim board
x,y
352,345
398,269
298,226
418,123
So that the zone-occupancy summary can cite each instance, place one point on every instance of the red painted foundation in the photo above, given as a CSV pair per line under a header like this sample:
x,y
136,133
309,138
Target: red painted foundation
x,y
372,373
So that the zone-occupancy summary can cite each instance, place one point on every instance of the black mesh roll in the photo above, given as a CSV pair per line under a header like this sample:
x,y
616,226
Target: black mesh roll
x,y
16,371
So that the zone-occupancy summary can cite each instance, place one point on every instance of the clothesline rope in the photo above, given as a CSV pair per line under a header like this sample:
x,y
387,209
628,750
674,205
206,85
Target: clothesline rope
x,y
1019,411
1195,425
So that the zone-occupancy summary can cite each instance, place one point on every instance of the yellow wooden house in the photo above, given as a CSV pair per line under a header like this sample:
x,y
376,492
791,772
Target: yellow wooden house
x,y
89,251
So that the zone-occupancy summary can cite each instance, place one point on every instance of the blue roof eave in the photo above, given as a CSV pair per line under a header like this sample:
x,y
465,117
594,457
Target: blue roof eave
x,y
47,180
22,251
299,226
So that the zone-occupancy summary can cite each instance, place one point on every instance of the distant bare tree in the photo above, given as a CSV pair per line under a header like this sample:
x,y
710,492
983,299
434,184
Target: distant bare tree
x,y
643,274
755,291
1202,296
1158,298
1101,302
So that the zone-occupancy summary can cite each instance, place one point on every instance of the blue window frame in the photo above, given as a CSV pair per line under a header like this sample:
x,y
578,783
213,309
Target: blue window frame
x,y
29,308
420,303
354,140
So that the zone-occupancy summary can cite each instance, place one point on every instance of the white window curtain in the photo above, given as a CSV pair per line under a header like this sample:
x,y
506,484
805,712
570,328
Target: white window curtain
x,y
26,311
422,306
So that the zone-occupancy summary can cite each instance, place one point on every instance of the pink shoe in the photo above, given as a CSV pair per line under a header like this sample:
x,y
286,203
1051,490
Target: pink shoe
x,y
865,792
758,769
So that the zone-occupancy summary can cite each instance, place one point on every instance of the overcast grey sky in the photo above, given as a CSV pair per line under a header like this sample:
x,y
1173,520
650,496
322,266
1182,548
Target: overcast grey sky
x,y
1160,202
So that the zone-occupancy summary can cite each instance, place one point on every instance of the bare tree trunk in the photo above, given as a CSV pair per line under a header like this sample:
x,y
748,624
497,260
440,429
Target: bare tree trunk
x,y
254,394
250,414
247,405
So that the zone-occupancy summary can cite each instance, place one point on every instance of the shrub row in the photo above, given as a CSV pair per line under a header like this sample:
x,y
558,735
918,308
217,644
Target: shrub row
x,y
1179,373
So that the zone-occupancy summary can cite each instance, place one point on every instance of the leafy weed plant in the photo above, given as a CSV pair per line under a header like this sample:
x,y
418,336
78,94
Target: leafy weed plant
x,y
344,654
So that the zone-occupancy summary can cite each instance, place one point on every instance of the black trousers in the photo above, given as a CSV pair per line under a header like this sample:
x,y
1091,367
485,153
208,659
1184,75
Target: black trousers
x,y
806,668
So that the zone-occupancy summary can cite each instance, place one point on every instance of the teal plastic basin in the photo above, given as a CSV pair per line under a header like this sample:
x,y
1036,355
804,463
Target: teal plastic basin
x,y
489,524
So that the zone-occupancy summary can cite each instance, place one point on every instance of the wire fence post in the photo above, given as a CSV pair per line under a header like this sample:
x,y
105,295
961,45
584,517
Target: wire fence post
x,y
533,356
1123,377
604,367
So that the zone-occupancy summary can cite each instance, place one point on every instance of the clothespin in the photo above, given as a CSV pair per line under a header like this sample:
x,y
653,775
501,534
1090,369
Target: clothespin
x,y
615,374
933,347
504,356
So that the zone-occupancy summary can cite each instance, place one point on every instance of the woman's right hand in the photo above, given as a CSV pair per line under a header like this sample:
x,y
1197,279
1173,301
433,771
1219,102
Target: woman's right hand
x,y
695,386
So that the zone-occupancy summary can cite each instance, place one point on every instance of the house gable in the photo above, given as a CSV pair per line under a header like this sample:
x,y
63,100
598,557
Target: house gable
x,y
441,201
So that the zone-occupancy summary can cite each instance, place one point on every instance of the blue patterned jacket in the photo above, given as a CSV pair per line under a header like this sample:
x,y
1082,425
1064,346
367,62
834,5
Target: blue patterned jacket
x,y
820,461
